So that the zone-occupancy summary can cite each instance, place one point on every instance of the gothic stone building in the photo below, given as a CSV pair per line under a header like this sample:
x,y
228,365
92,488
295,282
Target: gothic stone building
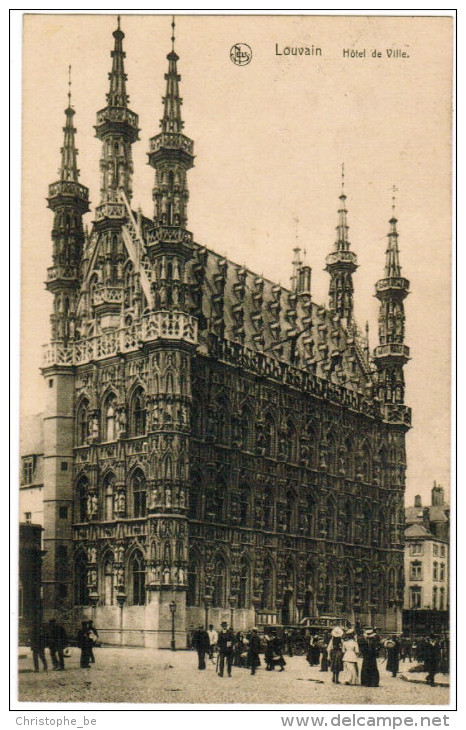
x,y
211,438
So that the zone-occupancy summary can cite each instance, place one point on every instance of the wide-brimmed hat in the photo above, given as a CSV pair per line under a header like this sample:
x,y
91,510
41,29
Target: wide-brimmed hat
x,y
389,643
224,623
254,628
368,633
337,631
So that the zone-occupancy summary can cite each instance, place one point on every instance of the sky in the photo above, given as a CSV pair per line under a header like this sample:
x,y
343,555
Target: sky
x,y
270,138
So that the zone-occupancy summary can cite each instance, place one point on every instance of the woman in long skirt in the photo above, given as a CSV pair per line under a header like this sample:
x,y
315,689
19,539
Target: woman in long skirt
x,y
370,649
393,655
336,654
350,659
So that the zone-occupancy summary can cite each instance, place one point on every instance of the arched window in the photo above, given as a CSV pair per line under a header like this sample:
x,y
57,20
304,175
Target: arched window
x,y
290,512
108,494
269,510
366,463
349,459
137,579
193,593
219,596
347,591
109,418
244,500
222,412
435,597
108,580
291,441
168,467
244,584
269,436
442,599
312,455
347,522
311,509
247,438
329,595
138,413
267,601
169,387
195,496
310,588
138,492
83,423
331,453
81,500
366,526
81,592
219,499
330,520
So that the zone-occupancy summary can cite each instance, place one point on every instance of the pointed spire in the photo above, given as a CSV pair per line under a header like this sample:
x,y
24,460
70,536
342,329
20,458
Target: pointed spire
x,y
117,96
392,261
342,242
69,167
171,121
341,263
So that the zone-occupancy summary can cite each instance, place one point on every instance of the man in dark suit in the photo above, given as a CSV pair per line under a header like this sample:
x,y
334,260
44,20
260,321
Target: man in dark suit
x,y
226,645
38,644
201,643
56,641
431,659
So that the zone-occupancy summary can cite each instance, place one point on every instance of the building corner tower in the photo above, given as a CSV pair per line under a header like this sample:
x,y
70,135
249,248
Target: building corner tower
x,y
169,248
341,265
390,357
68,200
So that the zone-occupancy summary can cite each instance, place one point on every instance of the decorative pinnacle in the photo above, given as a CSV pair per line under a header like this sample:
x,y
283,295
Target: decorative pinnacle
x,y
342,178
394,190
69,87
173,33
118,22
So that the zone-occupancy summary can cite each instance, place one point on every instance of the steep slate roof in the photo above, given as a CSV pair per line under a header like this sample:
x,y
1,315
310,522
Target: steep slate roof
x,y
268,318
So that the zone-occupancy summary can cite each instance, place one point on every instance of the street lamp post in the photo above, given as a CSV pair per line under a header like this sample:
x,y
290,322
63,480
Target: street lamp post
x,y
173,611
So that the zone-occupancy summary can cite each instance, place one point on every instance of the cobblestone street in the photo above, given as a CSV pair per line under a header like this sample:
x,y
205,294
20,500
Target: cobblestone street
x,y
149,676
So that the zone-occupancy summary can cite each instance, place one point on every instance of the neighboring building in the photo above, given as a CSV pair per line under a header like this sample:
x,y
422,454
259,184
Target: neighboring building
x,y
427,584
211,438
29,579
31,490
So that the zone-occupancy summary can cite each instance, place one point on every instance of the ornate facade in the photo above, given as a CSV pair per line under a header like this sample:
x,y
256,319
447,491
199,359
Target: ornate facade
x,y
218,440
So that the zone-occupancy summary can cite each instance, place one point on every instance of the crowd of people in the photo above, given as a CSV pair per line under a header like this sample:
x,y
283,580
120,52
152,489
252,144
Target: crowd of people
x,y
52,636
338,652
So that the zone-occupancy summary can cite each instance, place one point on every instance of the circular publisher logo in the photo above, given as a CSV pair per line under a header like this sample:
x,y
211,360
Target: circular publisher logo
x,y
241,54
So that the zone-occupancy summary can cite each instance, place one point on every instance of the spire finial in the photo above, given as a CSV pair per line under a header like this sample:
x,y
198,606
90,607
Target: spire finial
x,y
342,178
173,32
118,22
394,190
69,87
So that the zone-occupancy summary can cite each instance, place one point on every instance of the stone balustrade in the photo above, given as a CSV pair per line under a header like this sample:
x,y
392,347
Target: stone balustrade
x,y
392,282
117,114
171,140
62,272
392,348
153,326
107,295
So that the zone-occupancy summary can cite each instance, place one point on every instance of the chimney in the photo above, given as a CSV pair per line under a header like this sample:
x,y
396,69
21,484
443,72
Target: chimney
x,y
417,501
438,495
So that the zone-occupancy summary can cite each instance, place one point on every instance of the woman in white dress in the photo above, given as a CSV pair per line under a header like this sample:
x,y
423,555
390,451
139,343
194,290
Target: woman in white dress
x,y
350,659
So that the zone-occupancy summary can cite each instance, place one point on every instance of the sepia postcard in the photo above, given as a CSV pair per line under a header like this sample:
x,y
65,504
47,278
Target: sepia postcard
x,y
235,361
